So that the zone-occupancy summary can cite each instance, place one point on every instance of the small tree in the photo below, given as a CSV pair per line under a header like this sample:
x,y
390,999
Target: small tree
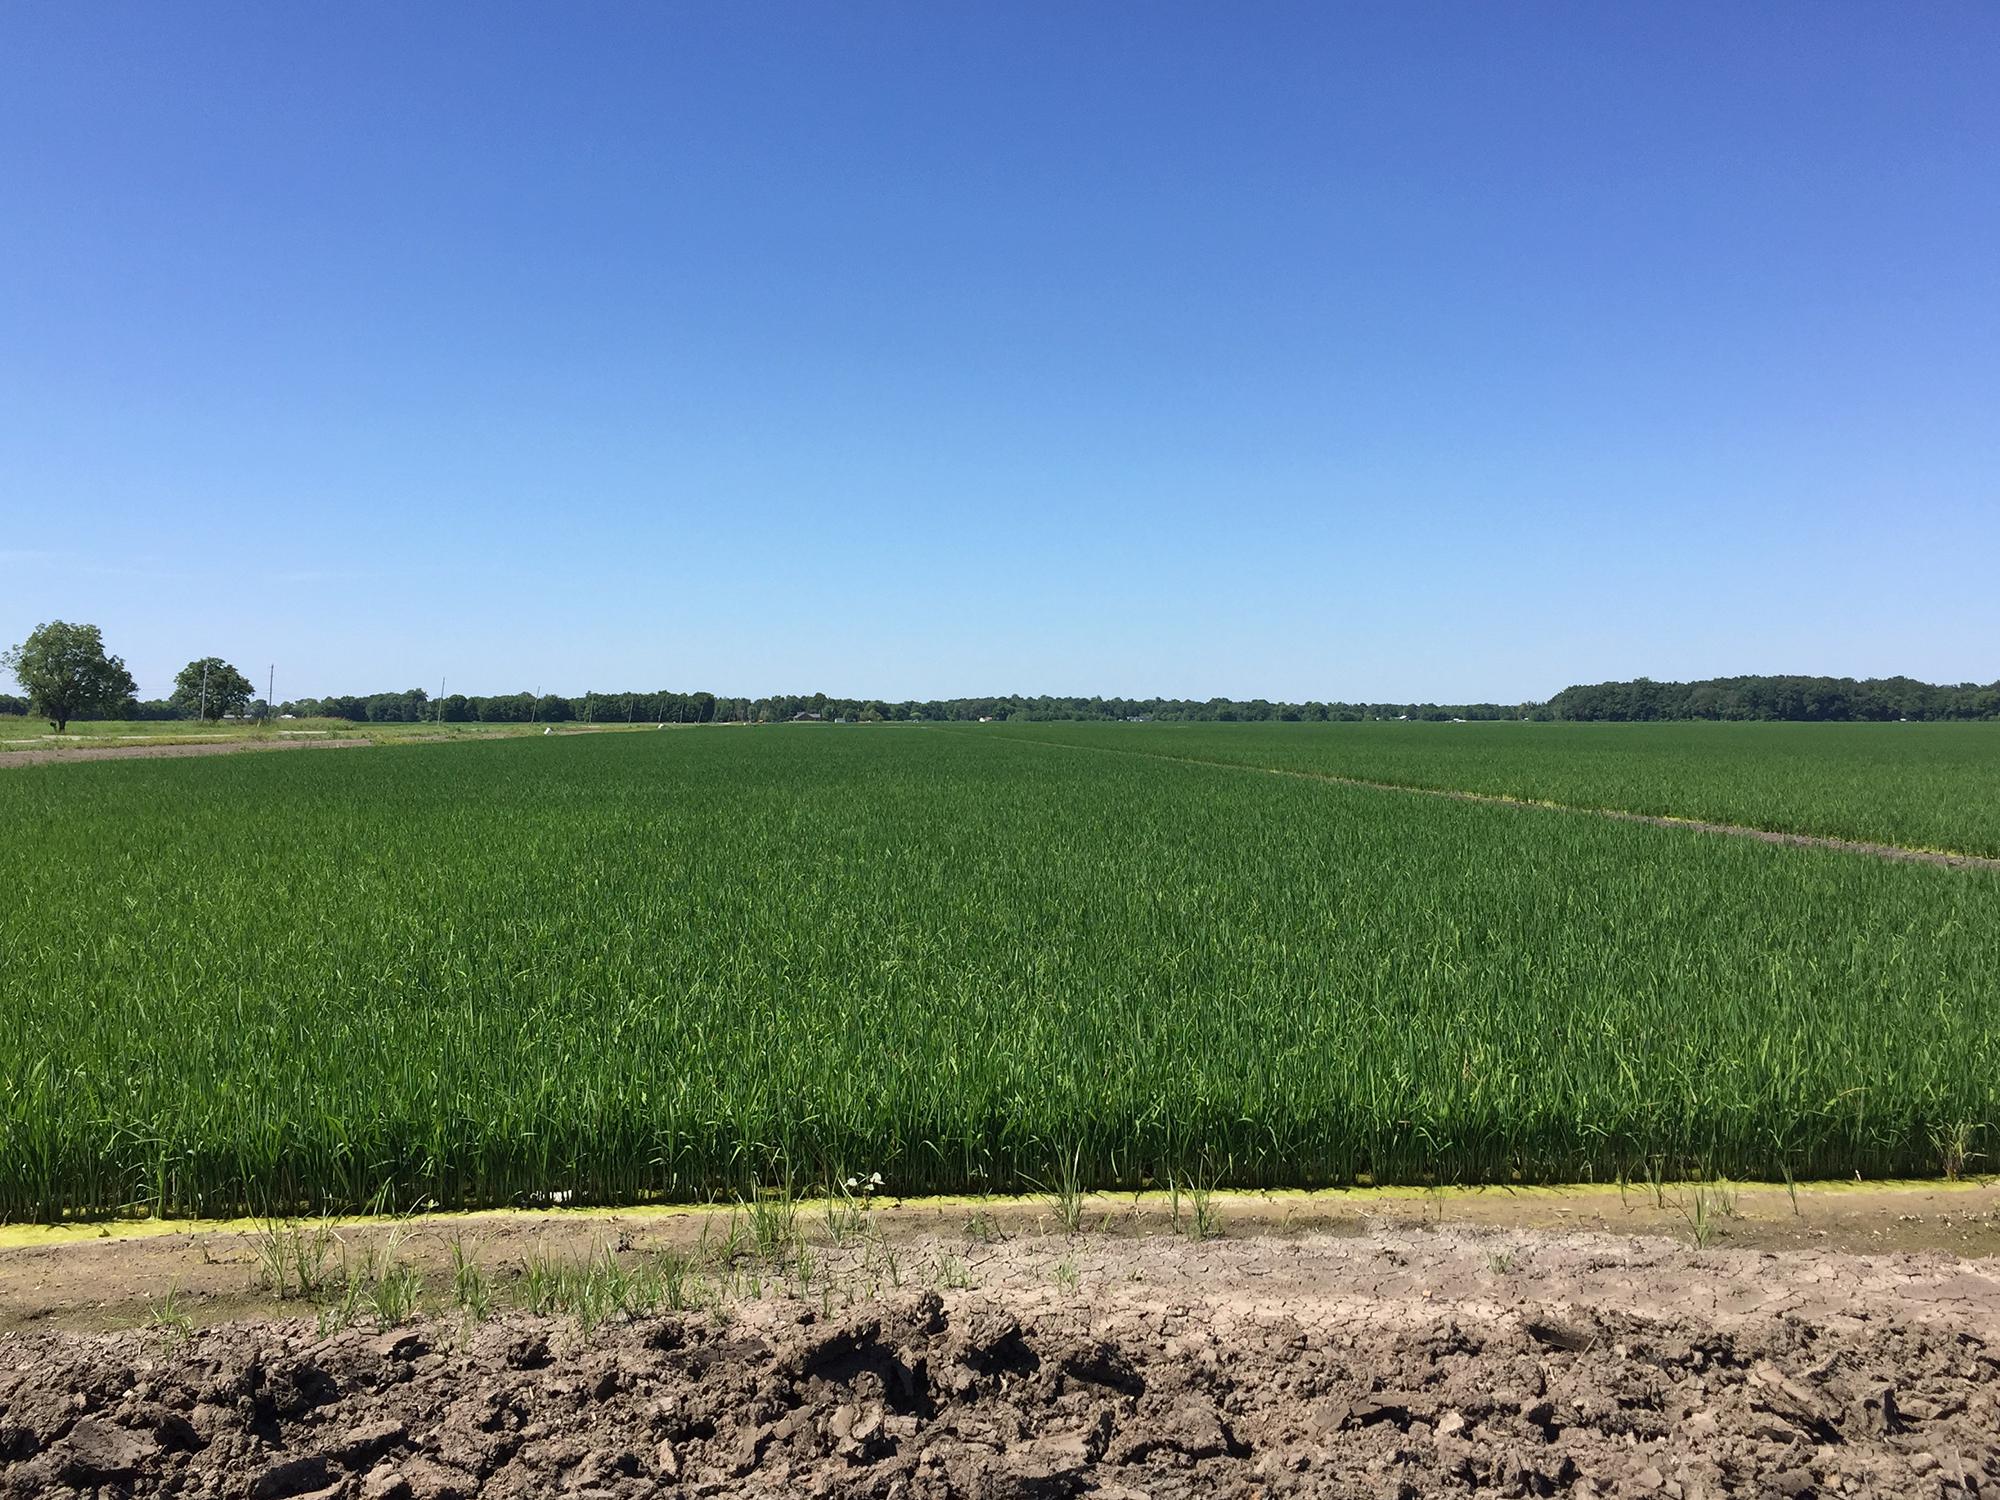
x,y
228,690
66,672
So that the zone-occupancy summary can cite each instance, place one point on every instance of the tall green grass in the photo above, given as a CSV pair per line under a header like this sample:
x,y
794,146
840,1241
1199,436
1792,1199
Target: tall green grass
x,y
625,967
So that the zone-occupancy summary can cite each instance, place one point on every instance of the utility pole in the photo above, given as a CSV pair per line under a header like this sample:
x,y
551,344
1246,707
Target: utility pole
x,y
204,692
440,699
270,687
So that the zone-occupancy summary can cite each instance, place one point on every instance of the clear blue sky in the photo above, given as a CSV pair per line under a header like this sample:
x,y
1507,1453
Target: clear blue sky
x,y
1362,352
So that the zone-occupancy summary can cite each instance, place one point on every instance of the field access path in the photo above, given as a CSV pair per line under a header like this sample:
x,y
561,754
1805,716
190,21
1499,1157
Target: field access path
x,y
64,754
1947,858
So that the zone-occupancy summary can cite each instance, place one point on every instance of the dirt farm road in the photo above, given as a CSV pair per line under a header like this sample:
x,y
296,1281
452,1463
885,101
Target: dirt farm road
x,y
68,753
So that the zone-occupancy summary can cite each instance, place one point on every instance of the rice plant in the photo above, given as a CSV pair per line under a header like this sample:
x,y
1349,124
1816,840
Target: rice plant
x,y
983,1229
1953,1143
396,1295
597,1286
774,1219
952,1272
667,1280
1064,1189
337,1313
1705,1209
1929,786
169,1322
1191,1205
1205,1222
471,1287
292,1260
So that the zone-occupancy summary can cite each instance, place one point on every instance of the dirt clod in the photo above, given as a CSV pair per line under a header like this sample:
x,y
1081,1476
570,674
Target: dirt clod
x,y
1244,1367
292,1476
95,1452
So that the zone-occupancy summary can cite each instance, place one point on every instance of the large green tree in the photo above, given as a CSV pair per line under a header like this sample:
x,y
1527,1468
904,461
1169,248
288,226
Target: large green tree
x,y
227,691
67,674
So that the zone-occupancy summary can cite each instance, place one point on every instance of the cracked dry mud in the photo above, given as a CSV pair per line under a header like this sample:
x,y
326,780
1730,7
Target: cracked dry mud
x,y
1390,1363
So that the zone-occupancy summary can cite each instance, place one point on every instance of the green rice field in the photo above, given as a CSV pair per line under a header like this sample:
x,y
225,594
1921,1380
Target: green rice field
x,y
1924,786
672,965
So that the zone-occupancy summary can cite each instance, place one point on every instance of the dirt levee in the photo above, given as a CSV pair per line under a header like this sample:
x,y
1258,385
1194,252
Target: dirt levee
x,y
1393,1362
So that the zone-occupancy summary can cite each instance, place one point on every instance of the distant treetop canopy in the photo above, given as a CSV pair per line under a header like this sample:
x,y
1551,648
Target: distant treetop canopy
x,y
1813,699
1824,699
703,708
1803,698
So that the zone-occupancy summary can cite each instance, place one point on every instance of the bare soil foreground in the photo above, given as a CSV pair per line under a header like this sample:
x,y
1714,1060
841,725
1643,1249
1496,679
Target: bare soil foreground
x,y
962,1352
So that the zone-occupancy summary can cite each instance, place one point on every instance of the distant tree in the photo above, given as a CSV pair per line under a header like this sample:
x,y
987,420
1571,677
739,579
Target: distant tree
x,y
506,708
1808,699
406,707
212,689
66,672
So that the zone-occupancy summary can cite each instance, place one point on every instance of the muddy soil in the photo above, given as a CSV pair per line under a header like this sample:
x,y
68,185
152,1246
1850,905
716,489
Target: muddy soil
x,y
1390,1361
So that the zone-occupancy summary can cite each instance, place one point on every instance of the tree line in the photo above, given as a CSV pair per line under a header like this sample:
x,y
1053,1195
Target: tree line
x,y
1808,699
414,706
67,674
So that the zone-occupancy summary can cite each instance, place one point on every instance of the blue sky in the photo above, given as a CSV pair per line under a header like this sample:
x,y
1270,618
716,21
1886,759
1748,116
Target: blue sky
x,y
1400,351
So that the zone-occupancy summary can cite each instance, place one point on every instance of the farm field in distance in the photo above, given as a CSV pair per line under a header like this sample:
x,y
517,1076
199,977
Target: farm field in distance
x,y
1923,786
628,967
